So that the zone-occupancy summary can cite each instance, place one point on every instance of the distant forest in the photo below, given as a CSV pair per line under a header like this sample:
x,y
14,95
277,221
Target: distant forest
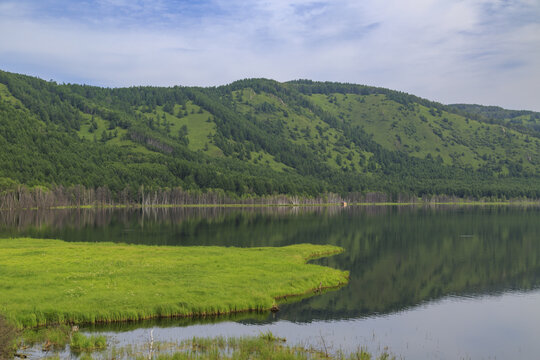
x,y
255,140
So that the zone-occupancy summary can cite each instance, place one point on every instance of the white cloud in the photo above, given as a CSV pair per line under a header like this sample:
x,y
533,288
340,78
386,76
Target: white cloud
x,y
452,51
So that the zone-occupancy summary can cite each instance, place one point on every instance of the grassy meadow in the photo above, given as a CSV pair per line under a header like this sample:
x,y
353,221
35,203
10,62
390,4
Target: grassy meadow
x,y
45,282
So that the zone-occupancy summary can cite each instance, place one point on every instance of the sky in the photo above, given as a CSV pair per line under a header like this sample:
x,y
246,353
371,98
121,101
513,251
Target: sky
x,y
452,51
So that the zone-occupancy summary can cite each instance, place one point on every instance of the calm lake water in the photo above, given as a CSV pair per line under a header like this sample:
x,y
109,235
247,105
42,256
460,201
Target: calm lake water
x,y
426,283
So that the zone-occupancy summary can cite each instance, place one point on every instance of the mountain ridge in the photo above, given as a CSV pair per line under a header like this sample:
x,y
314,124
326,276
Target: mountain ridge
x,y
257,137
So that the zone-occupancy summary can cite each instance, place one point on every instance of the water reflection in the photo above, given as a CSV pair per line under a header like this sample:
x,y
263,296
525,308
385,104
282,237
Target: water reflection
x,y
398,257
505,326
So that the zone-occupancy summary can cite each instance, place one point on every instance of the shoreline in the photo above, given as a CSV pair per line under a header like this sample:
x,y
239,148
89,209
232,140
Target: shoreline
x,y
254,205
281,299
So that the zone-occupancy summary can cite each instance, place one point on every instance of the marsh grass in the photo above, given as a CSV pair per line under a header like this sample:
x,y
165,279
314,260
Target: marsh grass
x,y
264,346
48,282
7,339
82,343
55,338
50,338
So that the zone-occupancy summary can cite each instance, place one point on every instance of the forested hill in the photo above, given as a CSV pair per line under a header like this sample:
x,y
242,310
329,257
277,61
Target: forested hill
x,y
522,120
261,137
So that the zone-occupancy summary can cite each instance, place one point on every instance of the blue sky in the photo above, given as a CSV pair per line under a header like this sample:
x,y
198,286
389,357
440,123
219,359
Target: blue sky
x,y
474,51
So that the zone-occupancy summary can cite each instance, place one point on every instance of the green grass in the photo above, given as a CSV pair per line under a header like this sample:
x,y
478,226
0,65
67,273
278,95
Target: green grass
x,y
103,125
82,343
262,157
200,130
46,282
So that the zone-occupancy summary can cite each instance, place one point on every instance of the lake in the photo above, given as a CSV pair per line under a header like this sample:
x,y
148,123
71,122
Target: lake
x,y
426,282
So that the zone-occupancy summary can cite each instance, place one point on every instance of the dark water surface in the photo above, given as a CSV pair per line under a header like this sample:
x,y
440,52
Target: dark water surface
x,y
427,283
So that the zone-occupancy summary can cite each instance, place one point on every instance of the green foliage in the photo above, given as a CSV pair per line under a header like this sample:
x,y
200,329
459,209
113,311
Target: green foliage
x,y
259,137
88,283
527,122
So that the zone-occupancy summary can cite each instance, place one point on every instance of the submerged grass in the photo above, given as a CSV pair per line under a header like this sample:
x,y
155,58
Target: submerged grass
x,y
265,346
47,282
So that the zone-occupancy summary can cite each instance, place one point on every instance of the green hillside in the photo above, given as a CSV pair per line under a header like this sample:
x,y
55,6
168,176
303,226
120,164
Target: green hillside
x,y
522,120
259,137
